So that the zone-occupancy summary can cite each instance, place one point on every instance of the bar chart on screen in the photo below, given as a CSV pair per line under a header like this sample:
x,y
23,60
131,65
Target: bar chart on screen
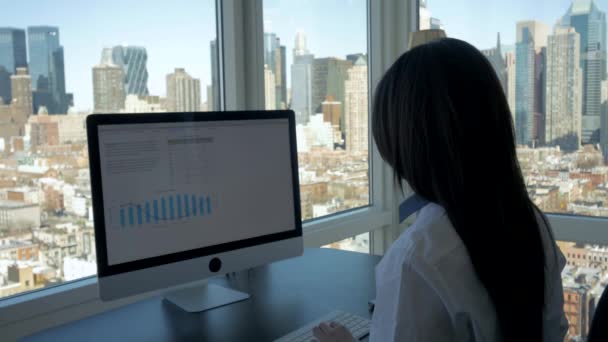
x,y
163,210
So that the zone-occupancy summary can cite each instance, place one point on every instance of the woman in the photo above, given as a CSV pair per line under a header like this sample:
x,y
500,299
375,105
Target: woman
x,y
480,263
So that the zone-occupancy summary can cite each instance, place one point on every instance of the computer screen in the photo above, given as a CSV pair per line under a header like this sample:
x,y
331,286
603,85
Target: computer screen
x,y
177,186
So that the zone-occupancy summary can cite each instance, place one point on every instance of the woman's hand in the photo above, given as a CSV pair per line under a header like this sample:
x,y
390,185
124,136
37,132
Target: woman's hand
x,y
332,332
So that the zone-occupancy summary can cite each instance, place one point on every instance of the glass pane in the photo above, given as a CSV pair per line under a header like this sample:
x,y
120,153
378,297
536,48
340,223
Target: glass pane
x,y
550,57
59,62
359,243
317,66
584,282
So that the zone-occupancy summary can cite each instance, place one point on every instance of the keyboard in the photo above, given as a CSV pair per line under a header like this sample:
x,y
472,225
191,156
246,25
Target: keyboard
x,y
358,327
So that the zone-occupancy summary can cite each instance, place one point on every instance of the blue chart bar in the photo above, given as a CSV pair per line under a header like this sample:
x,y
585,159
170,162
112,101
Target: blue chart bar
x,y
164,205
179,206
147,212
186,206
131,217
193,205
122,217
171,211
208,205
139,215
201,206
156,211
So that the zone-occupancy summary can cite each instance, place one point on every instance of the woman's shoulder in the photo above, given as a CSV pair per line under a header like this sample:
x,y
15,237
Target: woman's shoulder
x,y
423,245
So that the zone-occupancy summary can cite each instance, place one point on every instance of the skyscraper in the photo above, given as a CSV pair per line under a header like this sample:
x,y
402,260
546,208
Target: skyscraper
x,y
132,60
300,45
12,56
604,121
47,69
494,55
269,89
213,102
356,107
328,77
275,58
564,90
108,85
332,111
590,23
301,78
510,66
183,92
529,81
22,104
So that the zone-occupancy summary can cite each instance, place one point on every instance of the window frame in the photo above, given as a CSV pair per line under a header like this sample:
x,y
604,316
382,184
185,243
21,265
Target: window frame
x,y
240,46
240,61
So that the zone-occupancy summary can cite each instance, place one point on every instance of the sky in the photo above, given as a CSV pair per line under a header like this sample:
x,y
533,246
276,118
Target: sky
x,y
177,33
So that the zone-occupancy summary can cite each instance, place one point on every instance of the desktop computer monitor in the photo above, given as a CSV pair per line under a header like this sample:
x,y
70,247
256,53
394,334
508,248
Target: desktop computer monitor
x,y
182,197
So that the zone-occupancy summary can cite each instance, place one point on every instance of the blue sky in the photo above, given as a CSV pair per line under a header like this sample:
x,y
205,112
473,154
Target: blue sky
x,y
177,33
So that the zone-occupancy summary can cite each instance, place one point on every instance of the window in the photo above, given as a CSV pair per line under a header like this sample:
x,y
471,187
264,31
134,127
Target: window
x,y
551,61
317,66
146,56
550,58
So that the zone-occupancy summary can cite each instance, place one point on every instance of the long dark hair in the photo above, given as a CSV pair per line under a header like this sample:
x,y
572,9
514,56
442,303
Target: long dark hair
x,y
442,122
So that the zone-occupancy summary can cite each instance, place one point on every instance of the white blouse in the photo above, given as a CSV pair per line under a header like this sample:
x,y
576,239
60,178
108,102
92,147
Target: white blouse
x,y
427,289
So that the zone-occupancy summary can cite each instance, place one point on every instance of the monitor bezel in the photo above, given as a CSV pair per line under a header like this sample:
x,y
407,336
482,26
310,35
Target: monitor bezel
x,y
95,120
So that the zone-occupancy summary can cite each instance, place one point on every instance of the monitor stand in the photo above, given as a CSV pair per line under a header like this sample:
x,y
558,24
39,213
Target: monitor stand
x,y
204,297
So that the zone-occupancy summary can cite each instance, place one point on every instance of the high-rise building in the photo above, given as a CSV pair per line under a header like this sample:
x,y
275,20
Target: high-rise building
x,y
12,56
301,78
564,90
183,92
529,81
47,69
332,111
300,45
213,101
275,58
590,23
22,104
132,60
108,85
604,121
426,21
328,77
269,89
510,66
142,104
494,55
356,108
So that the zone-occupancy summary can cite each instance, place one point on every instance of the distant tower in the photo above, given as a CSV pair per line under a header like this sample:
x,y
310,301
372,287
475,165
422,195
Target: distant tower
x,y
183,92
590,23
356,108
22,104
328,77
564,90
495,57
275,58
133,60
269,89
47,69
300,45
510,66
108,85
12,56
301,80
530,81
